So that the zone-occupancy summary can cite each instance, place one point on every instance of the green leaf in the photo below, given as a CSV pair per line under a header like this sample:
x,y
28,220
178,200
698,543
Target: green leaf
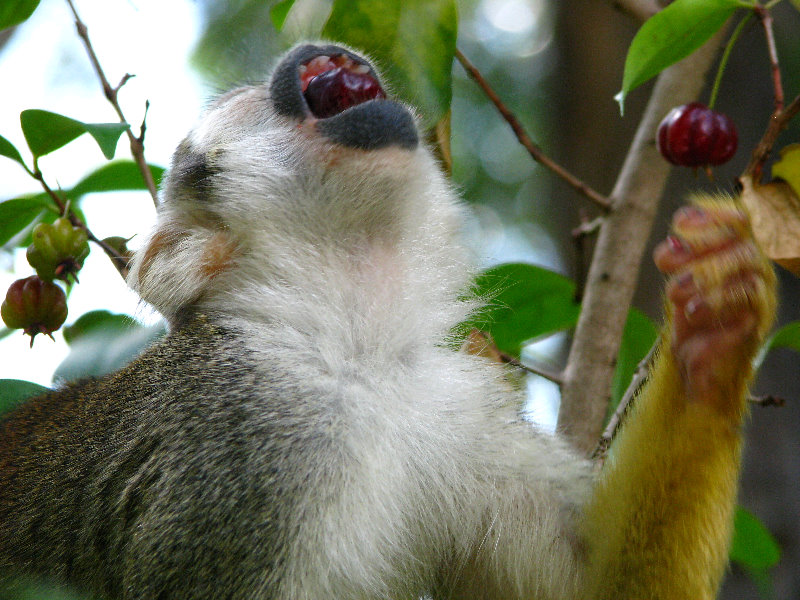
x,y
753,546
97,321
14,391
106,135
102,342
17,214
670,35
412,41
279,12
14,12
47,131
788,167
8,150
638,337
524,302
117,176
795,3
24,588
787,336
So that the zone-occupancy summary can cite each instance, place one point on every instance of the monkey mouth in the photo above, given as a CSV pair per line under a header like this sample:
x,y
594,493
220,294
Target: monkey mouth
x,y
340,97
332,84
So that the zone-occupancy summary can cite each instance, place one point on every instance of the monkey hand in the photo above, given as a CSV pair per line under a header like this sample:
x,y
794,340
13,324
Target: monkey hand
x,y
721,299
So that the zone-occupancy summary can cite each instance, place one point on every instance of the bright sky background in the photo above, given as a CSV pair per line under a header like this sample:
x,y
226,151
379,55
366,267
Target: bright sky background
x,y
45,66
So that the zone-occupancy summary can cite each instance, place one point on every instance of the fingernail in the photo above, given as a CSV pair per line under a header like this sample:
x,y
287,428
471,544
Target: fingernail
x,y
693,212
676,244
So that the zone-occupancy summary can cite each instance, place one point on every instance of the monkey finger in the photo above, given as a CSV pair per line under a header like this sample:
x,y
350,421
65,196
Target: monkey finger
x,y
681,287
672,254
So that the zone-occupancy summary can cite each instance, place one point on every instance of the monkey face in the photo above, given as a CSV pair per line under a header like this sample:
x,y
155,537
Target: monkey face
x,y
319,161
322,126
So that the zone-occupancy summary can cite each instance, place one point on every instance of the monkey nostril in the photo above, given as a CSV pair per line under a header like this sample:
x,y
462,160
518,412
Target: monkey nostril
x,y
333,84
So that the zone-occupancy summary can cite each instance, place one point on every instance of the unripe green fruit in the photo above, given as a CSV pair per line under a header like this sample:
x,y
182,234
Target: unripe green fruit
x,y
35,306
58,250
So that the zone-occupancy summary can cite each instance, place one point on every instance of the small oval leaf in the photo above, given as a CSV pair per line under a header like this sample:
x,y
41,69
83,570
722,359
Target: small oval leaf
x,y
17,214
638,337
524,302
279,12
787,336
788,167
670,35
8,150
14,12
102,342
117,176
46,131
753,545
106,135
14,391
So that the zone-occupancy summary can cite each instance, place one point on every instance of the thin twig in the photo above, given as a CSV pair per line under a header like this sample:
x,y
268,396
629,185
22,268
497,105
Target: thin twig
x,y
553,376
766,21
588,227
767,400
38,176
481,343
526,140
136,143
120,262
637,381
777,123
723,61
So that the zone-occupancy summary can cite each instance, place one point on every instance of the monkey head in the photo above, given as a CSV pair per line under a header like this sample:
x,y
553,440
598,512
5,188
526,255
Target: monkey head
x,y
319,164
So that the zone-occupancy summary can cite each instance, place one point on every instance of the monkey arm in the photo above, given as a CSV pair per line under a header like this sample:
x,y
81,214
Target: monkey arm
x,y
659,523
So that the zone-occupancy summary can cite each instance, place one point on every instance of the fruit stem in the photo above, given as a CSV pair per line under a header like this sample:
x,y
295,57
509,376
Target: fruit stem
x,y
725,55
766,21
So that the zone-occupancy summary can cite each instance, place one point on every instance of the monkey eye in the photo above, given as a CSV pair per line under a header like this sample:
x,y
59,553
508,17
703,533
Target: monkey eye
x,y
332,84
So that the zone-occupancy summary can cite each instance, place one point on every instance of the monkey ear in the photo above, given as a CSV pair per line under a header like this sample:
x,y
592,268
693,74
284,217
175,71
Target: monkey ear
x,y
178,266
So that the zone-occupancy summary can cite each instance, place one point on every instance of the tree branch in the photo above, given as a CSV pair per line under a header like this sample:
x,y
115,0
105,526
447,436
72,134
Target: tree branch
x,y
136,143
618,255
777,123
639,377
526,140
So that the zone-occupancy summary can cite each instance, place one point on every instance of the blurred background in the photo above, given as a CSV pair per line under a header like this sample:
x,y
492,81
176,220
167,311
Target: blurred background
x,y
556,63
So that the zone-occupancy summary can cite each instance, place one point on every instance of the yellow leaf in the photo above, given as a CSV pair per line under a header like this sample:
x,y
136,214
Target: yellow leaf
x,y
788,167
775,215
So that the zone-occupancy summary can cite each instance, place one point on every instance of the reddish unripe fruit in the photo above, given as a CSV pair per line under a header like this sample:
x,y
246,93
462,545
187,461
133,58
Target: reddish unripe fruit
x,y
35,306
693,135
333,91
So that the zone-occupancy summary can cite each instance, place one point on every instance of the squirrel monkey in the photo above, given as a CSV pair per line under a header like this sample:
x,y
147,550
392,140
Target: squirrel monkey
x,y
305,432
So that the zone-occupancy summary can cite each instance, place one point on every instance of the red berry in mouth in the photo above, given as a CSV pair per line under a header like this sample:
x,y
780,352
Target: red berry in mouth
x,y
693,135
329,91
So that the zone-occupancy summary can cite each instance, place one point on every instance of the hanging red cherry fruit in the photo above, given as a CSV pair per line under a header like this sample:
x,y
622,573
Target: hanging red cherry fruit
x,y
693,135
